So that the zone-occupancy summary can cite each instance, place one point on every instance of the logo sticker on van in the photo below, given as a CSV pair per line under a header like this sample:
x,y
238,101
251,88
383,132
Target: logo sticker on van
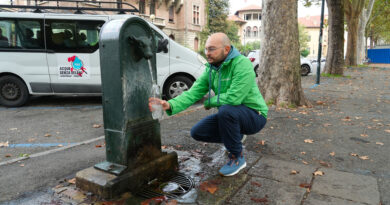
x,y
75,70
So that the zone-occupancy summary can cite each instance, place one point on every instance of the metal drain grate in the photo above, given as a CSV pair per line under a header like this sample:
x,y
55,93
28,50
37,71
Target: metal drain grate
x,y
175,187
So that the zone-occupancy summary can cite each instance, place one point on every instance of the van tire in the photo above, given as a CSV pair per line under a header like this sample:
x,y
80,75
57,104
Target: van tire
x,y
305,70
13,91
176,85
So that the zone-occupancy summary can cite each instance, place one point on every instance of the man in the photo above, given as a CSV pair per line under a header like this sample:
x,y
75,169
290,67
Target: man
x,y
241,107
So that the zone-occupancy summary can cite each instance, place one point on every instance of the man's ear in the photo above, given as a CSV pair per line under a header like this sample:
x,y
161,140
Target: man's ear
x,y
227,49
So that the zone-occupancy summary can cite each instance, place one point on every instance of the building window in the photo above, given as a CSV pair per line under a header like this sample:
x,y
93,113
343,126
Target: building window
x,y
196,43
248,32
255,32
195,15
255,17
248,17
171,13
259,17
152,7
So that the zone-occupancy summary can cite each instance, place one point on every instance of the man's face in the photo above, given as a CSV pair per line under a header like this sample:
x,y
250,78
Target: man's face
x,y
215,51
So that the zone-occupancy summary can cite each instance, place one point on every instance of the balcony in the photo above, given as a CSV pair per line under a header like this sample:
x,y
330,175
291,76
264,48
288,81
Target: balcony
x,y
159,22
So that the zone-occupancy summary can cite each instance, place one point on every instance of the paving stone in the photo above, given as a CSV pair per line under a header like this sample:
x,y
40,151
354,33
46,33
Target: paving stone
x,y
258,190
280,171
317,199
348,186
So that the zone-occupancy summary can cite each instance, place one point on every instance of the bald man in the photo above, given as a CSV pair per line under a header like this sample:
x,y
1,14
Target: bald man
x,y
241,107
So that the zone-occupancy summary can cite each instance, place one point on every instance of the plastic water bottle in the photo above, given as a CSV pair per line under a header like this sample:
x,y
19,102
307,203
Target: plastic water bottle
x,y
157,108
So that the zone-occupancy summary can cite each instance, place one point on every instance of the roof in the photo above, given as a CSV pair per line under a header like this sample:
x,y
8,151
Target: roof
x,y
236,19
311,21
252,7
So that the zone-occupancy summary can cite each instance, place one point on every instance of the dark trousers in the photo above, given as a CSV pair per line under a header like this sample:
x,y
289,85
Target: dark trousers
x,y
228,126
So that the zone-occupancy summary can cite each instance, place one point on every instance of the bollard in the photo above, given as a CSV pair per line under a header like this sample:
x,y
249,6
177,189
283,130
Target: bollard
x,y
133,141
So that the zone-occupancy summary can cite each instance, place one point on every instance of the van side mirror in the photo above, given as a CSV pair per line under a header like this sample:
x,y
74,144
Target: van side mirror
x,y
162,45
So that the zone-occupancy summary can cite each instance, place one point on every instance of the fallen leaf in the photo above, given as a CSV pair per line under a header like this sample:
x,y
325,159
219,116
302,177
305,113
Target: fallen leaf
x,y
364,157
8,155
375,120
346,119
364,135
178,146
31,140
295,119
98,145
320,102
22,165
293,172
155,200
358,118
96,126
303,152
4,144
388,131
47,135
256,184
354,154
304,162
325,164
327,125
60,145
208,186
171,202
23,155
379,143
72,181
318,173
308,141
261,142
303,113
305,185
259,200
163,147
12,129
332,154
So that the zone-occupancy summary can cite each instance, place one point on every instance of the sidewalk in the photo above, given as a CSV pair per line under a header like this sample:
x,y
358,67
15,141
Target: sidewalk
x,y
335,153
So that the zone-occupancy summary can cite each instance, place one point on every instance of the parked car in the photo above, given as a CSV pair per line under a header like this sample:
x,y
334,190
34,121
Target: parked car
x,y
314,63
306,66
41,49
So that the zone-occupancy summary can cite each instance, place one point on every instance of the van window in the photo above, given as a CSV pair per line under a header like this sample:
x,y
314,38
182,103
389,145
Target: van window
x,y
21,34
73,36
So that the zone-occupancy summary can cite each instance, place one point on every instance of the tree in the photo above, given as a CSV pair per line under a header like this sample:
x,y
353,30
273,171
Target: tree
x,y
352,9
361,43
217,12
303,39
335,55
279,70
379,22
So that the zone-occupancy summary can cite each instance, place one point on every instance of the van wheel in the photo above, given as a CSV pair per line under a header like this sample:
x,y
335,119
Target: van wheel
x,y
305,69
13,91
176,86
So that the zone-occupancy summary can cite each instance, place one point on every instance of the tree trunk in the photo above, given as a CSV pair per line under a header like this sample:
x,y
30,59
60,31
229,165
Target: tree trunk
x,y
361,46
353,9
335,56
279,70
351,56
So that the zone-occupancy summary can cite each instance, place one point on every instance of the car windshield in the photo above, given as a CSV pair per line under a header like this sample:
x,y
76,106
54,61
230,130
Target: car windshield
x,y
251,54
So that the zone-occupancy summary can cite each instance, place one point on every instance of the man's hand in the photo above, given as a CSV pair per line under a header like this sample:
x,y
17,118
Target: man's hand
x,y
165,104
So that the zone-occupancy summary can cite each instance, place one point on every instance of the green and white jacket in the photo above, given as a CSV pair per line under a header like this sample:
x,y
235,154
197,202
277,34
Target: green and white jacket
x,y
233,82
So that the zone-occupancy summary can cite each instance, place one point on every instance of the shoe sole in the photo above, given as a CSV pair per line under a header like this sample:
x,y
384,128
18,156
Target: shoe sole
x,y
234,173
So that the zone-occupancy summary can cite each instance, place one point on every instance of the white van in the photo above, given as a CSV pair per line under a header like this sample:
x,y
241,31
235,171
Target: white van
x,y
38,52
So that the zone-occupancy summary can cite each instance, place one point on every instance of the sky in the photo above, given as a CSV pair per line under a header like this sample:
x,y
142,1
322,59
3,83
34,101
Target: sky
x,y
314,10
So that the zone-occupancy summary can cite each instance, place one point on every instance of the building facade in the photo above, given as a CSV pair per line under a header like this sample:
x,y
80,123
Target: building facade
x,y
181,20
249,21
312,27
